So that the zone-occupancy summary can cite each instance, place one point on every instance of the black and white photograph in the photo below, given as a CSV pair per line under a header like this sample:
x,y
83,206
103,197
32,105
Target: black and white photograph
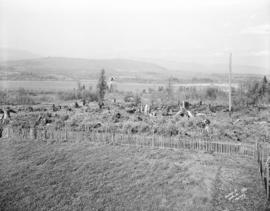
x,y
134,105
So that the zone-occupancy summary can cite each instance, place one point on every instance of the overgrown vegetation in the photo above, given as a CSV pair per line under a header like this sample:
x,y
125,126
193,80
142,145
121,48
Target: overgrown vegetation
x,y
16,97
80,93
252,93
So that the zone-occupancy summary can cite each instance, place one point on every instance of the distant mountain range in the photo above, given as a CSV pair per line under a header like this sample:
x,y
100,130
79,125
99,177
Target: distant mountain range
x,y
7,54
73,68
23,65
209,68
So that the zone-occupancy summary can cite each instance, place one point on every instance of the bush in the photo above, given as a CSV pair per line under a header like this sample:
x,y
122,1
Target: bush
x,y
131,127
190,123
145,128
130,98
171,129
211,93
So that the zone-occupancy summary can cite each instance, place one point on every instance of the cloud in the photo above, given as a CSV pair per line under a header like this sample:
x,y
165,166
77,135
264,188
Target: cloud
x,y
260,30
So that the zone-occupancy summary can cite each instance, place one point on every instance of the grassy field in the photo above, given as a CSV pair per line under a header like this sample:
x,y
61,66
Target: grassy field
x,y
87,176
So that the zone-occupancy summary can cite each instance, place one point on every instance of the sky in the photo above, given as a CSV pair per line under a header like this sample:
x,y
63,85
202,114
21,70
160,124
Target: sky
x,y
199,31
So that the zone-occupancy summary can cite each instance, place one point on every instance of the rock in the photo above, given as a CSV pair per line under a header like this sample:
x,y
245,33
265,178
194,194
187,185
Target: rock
x,y
64,117
98,125
131,110
139,118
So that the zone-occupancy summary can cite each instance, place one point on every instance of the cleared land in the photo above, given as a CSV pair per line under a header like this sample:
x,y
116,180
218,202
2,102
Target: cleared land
x,y
87,176
72,84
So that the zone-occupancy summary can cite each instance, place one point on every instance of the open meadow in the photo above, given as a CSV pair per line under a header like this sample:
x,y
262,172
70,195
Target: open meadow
x,y
86,176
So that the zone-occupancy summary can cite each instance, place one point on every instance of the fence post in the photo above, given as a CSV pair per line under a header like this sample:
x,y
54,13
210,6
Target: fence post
x,y
66,135
256,149
112,138
267,179
258,153
262,163
8,132
33,133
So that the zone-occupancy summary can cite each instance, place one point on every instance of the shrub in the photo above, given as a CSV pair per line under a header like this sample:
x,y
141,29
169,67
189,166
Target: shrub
x,y
190,123
171,129
211,93
131,127
59,124
144,127
160,88
131,98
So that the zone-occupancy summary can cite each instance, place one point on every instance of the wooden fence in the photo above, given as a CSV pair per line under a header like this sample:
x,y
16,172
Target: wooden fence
x,y
154,141
263,156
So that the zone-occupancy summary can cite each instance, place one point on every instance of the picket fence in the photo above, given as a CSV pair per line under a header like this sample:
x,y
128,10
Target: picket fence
x,y
259,151
155,141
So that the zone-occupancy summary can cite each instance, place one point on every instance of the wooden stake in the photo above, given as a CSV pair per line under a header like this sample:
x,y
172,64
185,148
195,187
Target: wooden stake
x,y
66,133
267,179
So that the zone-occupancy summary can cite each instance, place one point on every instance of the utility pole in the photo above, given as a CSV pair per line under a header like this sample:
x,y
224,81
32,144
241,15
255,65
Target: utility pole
x,y
230,83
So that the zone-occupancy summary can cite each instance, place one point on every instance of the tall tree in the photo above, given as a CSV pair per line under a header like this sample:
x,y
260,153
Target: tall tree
x,y
264,86
101,88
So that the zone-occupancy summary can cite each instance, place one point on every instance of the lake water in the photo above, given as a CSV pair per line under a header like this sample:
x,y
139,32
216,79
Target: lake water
x,y
69,85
